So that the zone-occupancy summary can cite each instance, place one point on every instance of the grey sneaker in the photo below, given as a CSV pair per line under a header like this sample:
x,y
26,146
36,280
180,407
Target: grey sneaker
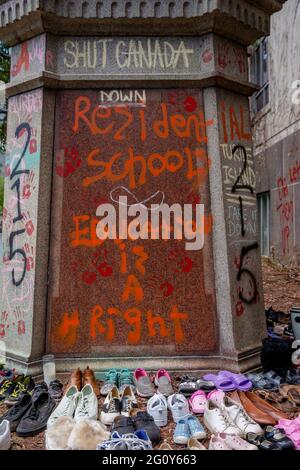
x,y
157,407
144,386
179,406
164,382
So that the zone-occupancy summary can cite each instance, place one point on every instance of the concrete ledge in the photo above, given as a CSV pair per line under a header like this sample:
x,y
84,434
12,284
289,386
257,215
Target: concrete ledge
x,y
54,81
240,363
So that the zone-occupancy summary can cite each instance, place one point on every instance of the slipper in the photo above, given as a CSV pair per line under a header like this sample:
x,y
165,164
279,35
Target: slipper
x,y
198,401
241,381
221,382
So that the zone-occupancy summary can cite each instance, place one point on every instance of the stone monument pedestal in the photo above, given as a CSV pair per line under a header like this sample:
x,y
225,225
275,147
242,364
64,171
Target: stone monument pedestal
x,y
147,100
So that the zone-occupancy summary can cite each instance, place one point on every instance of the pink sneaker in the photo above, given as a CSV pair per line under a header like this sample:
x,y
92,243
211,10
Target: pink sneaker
x,y
164,382
216,396
144,386
216,443
235,442
197,402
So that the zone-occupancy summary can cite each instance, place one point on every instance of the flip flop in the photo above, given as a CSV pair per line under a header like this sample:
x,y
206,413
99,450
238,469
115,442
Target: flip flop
x,y
240,381
221,382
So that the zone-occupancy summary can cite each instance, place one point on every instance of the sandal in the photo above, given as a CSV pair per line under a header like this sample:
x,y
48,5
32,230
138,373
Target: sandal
x,y
292,392
261,442
221,382
259,382
293,377
281,403
240,381
274,378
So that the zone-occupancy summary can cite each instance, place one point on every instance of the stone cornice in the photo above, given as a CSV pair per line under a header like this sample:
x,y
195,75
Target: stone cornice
x,y
243,20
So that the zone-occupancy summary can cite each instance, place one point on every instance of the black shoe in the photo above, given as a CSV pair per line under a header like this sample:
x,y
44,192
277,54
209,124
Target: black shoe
x,y
38,389
144,421
123,425
56,390
35,420
15,414
261,442
278,437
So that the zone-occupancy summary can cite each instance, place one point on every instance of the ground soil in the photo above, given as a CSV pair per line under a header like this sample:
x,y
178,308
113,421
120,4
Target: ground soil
x,y
281,291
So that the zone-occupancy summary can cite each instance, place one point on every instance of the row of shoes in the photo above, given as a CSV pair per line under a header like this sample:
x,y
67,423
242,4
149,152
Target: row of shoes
x,y
141,382
11,388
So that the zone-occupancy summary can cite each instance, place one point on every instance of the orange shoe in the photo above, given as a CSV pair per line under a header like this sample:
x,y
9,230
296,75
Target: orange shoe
x,y
88,377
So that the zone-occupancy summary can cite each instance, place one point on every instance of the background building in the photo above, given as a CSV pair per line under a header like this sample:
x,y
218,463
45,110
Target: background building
x,y
275,67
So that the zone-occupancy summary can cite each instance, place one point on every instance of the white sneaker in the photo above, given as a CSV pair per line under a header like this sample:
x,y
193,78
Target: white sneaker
x,y
239,417
87,407
5,435
235,442
111,407
66,407
216,443
217,421
179,406
157,407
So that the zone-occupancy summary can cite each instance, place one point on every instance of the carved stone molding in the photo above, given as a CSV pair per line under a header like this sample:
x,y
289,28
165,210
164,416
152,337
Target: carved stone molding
x,y
251,14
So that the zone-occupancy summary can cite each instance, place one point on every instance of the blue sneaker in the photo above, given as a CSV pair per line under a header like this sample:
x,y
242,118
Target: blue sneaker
x,y
182,432
111,381
195,427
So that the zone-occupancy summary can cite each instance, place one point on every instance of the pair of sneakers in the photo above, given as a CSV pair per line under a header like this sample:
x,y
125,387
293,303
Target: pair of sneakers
x,y
223,415
139,440
78,404
119,379
117,404
145,385
188,428
158,407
